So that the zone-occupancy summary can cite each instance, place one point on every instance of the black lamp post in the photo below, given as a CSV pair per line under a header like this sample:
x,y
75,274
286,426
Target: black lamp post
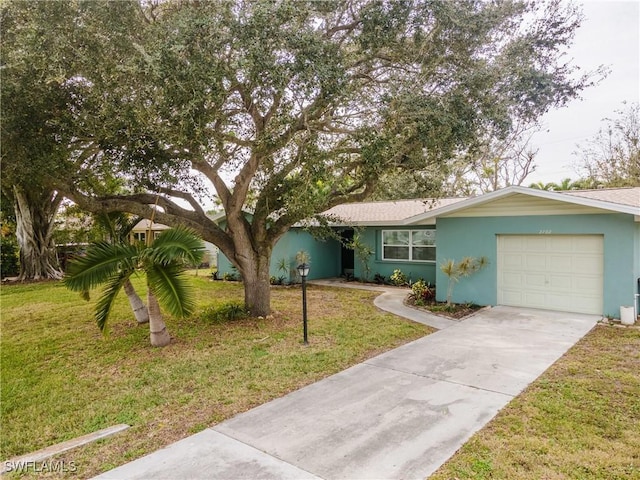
x,y
303,271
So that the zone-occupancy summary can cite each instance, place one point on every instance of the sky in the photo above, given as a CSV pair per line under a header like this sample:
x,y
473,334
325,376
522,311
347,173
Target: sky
x,y
610,36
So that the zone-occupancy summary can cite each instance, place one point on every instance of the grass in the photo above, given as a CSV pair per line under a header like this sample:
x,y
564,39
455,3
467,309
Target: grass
x,y
579,420
61,378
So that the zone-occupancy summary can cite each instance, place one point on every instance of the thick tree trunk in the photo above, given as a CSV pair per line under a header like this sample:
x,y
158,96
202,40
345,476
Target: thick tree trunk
x,y
35,215
257,287
139,309
158,330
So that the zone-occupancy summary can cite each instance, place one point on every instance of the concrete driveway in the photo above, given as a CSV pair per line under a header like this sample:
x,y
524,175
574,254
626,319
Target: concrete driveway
x,y
401,414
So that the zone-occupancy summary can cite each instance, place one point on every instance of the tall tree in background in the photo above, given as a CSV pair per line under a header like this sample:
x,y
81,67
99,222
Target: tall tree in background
x,y
41,98
498,159
612,157
33,107
306,104
498,162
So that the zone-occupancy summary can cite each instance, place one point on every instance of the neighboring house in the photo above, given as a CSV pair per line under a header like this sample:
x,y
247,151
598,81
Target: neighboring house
x,y
146,227
573,251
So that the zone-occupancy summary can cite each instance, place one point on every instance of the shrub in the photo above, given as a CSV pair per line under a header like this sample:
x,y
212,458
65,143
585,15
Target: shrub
x,y
348,276
423,292
363,252
229,277
9,261
379,279
227,312
398,278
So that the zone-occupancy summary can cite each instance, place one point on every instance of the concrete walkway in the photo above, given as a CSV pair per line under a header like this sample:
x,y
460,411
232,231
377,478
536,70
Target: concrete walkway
x,y
401,414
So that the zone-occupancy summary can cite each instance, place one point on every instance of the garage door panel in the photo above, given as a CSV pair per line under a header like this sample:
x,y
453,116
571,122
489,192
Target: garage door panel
x,y
558,272
533,298
589,285
561,282
514,280
559,263
588,264
533,281
513,260
555,302
560,244
587,243
512,297
535,244
534,263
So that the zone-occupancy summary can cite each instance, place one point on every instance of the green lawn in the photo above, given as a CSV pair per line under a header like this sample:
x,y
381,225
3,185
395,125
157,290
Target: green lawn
x,y
579,420
61,378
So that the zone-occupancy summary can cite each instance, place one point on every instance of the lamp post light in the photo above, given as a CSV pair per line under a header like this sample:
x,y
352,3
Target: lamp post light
x,y
303,271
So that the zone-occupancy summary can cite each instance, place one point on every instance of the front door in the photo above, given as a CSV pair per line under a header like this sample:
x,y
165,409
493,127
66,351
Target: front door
x,y
347,253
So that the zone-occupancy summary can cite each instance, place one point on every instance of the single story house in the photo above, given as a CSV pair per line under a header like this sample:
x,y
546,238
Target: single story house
x,y
146,227
576,251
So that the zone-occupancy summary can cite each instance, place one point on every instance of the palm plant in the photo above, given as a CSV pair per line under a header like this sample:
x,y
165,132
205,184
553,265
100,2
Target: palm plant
x,y
118,227
163,262
457,270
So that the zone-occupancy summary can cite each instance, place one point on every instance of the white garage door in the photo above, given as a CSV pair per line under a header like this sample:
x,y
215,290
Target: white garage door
x,y
552,272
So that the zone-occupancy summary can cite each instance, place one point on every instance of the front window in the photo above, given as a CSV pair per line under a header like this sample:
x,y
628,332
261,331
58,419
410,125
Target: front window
x,y
140,237
410,245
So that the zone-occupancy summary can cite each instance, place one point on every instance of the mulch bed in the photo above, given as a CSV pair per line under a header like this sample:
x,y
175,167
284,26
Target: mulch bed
x,y
456,310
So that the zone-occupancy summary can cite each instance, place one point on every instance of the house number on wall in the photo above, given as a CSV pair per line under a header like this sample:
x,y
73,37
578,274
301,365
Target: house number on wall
x,y
544,232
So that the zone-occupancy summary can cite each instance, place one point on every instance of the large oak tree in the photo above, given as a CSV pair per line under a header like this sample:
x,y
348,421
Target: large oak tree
x,y
303,105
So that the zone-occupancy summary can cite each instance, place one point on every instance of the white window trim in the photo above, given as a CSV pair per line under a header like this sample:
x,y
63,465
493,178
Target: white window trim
x,y
410,245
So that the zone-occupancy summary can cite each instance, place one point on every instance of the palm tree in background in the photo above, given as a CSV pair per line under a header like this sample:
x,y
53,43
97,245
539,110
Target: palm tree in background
x,y
567,184
163,261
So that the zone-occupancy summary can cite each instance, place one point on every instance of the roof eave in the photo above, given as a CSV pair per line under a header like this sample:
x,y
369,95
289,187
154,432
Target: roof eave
x,y
515,190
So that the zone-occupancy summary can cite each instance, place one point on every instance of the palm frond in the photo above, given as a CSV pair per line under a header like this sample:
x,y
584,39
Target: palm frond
x,y
108,297
100,263
179,243
126,225
118,224
173,290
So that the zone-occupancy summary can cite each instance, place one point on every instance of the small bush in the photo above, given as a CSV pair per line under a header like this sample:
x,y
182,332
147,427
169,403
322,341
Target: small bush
x,y
398,278
226,312
349,277
379,279
9,260
423,293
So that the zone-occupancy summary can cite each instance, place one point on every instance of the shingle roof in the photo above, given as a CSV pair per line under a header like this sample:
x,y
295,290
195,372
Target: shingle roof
x,y
621,196
388,212
144,225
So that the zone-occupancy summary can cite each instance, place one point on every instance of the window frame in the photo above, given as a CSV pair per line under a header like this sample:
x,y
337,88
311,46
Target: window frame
x,y
410,245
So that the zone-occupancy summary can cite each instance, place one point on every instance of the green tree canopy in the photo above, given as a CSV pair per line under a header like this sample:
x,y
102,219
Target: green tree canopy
x,y
306,104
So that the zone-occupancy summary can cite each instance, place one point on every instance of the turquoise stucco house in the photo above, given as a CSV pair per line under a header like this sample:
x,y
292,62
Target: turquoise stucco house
x,y
576,251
